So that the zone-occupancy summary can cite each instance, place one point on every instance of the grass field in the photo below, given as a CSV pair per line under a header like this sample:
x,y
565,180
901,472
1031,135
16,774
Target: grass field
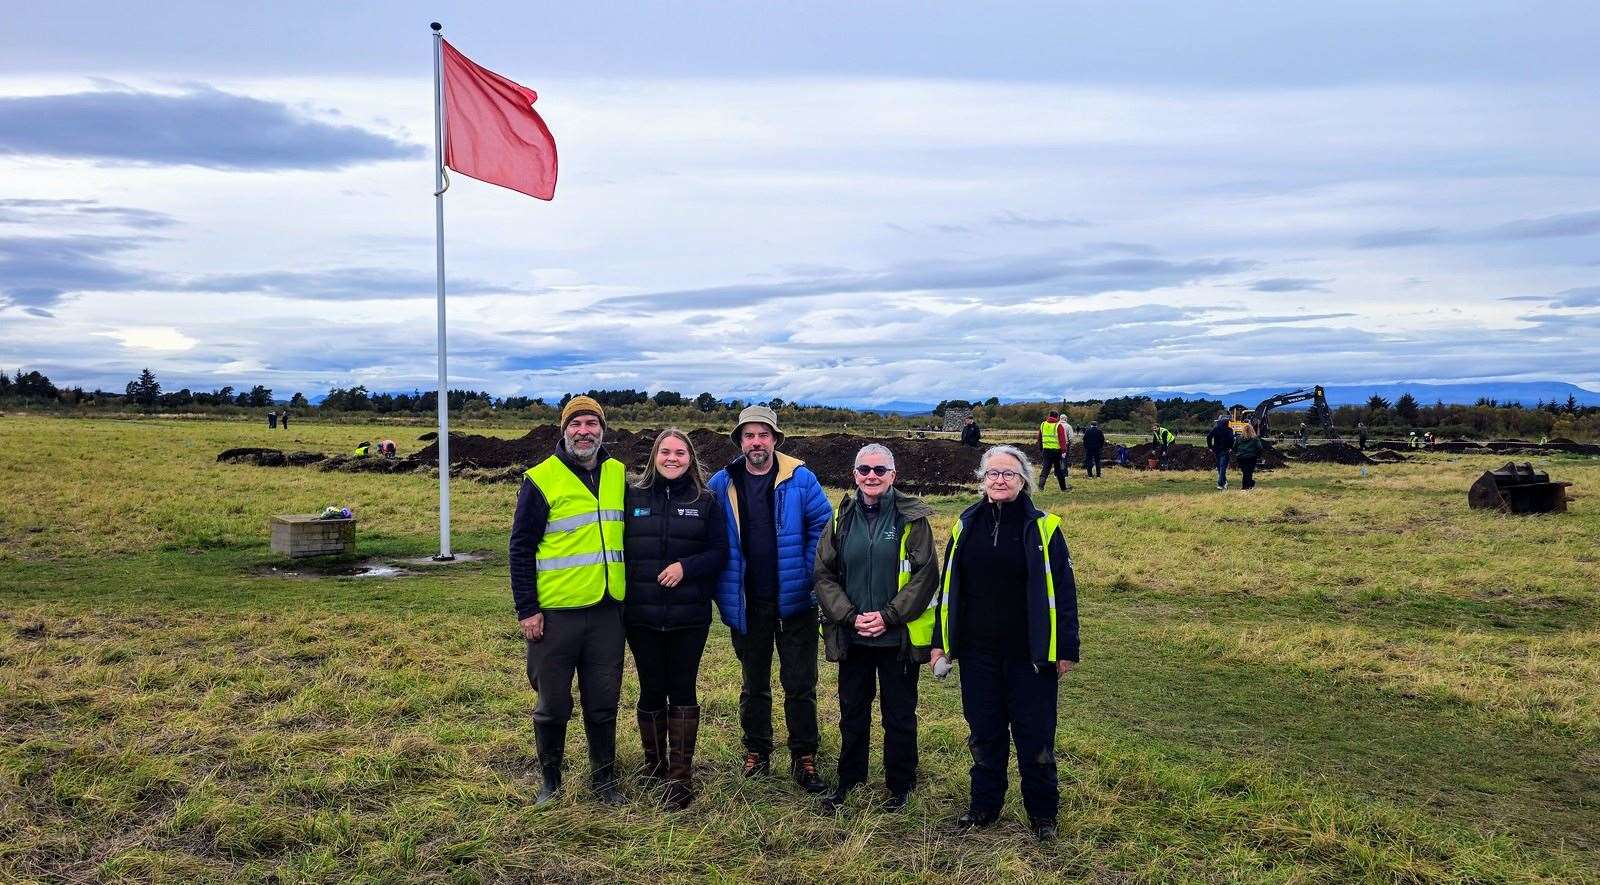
x,y
1330,678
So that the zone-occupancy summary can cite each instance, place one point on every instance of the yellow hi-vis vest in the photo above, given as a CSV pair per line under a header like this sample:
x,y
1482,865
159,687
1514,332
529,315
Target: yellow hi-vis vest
x,y
580,556
921,627
1049,524
1047,436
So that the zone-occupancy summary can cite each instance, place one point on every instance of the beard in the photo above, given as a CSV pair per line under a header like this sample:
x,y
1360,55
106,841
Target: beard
x,y
582,447
759,457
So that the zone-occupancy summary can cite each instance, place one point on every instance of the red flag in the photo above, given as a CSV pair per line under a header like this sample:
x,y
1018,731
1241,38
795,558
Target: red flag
x,y
492,132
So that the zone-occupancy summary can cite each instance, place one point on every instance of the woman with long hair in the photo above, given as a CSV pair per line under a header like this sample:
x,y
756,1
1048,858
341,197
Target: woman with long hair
x,y
1008,614
1247,448
674,545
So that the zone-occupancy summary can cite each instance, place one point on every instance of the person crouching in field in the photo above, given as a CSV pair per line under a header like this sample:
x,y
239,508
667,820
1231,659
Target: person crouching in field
x,y
1247,448
1008,613
676,544
876,574
567,581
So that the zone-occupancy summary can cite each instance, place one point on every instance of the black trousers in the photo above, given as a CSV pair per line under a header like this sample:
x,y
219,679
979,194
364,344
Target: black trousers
x,y
1247,466
1054,459
796,641
1091,462
1005,700
668,662
864,671
587,642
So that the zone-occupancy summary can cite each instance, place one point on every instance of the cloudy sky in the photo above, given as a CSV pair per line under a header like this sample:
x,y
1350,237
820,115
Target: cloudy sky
x,y
825,201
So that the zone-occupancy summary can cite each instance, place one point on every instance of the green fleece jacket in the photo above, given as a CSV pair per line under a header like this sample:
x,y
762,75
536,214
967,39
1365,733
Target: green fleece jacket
x,y
910,520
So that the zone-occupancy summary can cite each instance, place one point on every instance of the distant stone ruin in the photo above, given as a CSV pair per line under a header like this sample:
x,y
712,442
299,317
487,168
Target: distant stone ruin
x,y
953,419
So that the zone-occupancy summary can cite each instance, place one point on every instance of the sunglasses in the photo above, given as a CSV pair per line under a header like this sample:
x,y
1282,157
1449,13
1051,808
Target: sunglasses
x,y
879,469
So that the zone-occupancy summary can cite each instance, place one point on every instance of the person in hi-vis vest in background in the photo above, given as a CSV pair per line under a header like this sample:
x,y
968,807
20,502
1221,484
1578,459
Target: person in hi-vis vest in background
x,y
1055,440
568,583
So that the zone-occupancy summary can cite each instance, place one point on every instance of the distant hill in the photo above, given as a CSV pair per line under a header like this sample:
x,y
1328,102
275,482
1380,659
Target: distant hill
x,y
1525,392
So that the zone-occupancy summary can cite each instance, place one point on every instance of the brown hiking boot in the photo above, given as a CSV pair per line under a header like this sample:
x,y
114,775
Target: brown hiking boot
x,y
756,763
804,769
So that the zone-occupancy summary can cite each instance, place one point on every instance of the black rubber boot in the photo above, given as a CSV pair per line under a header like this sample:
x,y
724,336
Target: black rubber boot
x,y
551,741
603,761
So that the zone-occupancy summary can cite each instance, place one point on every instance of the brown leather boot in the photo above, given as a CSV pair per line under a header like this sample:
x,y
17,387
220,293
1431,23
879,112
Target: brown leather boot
x,y
653,735
683,727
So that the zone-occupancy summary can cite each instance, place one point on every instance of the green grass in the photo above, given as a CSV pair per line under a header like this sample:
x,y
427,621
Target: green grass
x,y
1331,678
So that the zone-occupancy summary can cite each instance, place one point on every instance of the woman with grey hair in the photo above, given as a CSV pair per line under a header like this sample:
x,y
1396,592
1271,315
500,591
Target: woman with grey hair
x,y
875,576
1008,612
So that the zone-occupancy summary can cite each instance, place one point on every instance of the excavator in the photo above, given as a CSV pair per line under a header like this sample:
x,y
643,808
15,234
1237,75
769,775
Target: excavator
x,y
1257,417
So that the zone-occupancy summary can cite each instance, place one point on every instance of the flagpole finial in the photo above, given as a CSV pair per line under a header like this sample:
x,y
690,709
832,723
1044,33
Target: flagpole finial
x,y
436,26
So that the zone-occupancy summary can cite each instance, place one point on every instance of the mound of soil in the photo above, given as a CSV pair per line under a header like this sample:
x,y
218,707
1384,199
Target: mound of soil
x,y
1334,453
269,457
1182,456
1387,456
1561,441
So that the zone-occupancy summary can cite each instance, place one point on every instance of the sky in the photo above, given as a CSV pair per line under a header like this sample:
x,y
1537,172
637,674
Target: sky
x,y
833,202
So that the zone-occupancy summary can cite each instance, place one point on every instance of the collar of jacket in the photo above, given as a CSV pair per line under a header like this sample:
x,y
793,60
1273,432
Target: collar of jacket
x,y
907,507
1023,501
786,466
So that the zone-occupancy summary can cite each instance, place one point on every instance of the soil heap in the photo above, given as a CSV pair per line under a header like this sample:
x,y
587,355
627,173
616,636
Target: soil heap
x,y
1182,456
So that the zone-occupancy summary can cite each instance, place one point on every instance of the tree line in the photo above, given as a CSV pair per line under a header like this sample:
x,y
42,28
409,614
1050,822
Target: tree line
x,y
1486,417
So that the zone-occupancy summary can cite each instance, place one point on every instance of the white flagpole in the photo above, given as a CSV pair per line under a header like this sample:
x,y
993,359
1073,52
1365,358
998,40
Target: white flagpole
x,y
438,214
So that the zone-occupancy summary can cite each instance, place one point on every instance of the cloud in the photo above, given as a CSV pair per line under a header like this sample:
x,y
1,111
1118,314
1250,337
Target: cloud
x,y
1069,275
1570,224
1421,236
163,338
1277,320
1587,296
340,284
34,211
35,272
1289,284
1573,224
1009,218
202,127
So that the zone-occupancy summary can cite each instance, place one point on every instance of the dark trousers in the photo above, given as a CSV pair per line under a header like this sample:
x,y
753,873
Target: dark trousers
x,y
668,662
1091,462
585,641
1247,466
796,640
1222,468
864,671
1054,459
1005,700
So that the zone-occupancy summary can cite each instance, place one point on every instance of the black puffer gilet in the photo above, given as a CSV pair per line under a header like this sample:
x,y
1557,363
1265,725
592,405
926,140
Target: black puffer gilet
x,y
666,525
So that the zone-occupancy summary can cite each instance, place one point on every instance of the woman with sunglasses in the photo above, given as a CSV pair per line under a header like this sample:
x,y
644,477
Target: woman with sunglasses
x,y
1008,612
674,546
876,573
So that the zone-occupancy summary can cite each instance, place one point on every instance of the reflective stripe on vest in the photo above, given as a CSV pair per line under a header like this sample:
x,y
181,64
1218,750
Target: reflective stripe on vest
x,y
921,627
1048,437
1049,524
580,556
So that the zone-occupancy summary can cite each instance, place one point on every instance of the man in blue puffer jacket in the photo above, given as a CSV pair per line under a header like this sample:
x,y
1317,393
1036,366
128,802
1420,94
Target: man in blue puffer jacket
x,y
776,512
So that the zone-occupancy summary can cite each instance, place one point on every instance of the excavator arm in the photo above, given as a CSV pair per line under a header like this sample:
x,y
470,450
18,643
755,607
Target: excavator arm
x,y
1262,422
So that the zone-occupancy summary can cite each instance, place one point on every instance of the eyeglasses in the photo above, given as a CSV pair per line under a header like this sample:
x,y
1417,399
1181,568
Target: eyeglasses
x,y
879,469
1007,475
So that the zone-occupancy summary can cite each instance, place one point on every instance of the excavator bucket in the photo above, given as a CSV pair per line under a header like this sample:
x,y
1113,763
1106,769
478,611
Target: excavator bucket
x,y
1518,488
